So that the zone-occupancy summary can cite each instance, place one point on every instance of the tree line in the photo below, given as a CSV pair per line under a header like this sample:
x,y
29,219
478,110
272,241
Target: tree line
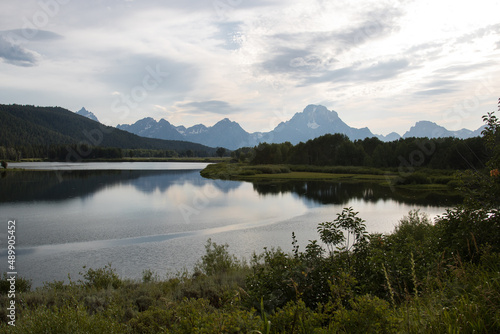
x,y
339,150
74,153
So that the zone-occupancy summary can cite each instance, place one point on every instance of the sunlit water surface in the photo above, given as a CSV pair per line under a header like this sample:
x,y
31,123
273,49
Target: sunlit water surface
x,y
158,216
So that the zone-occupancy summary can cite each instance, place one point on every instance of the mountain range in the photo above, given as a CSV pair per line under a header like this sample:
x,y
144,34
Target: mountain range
x,y
312,122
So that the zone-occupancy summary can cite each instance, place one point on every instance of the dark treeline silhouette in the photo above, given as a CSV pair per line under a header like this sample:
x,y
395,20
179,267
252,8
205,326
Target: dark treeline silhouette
x,y
80,152
338,150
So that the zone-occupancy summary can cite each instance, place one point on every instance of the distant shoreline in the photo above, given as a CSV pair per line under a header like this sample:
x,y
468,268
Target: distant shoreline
x,y
197,159
277,173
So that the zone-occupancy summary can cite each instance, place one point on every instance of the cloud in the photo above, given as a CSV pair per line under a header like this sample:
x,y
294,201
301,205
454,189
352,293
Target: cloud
x,y
441,83
314,51
437,91
357,74
479,33
212,106
16,55
159,75
30,35
376,24
372,25
288,60
456,70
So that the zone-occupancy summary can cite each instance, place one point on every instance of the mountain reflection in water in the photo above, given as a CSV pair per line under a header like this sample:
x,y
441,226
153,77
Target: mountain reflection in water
x,y
51,185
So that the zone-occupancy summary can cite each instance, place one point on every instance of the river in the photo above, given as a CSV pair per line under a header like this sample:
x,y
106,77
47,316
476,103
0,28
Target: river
x,y
158,216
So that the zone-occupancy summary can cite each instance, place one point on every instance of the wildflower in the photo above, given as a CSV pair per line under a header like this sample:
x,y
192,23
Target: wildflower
x,y
494,173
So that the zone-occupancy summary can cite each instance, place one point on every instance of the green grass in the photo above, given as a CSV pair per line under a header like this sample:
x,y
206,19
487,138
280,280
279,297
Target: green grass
x,y
425,179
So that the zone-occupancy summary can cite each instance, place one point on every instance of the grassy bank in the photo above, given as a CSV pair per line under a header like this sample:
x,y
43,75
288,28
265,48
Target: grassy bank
x,y
422,179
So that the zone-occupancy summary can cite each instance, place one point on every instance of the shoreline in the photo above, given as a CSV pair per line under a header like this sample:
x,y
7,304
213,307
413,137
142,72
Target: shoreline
x,y
285,173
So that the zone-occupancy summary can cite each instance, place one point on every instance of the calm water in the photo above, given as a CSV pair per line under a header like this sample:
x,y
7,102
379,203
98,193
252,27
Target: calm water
x,y
159,216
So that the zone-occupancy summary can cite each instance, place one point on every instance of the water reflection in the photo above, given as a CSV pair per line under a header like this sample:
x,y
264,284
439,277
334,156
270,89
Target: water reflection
x,y
51,186
28,186
344,192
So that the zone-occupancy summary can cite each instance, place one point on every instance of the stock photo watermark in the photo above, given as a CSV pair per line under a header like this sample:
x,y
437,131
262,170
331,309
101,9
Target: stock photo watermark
x,y
12,272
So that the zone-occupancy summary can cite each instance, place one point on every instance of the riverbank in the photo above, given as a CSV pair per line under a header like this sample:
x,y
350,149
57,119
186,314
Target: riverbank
x,y
422,179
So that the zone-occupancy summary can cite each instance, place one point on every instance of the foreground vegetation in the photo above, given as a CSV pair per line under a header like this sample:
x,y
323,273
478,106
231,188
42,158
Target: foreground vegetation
x,y
425,277
419,279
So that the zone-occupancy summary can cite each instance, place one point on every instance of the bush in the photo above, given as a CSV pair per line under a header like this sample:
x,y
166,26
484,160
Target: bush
x,y
409,253
154,320
295,317
366,314
22,284
217,259
195,316
101,278
464,232
67,319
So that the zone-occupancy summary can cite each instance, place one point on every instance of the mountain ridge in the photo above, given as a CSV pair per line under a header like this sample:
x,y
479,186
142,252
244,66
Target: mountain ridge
x,y
312,122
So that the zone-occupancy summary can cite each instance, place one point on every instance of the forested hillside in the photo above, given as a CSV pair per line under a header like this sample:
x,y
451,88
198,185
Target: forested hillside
x,y
54,132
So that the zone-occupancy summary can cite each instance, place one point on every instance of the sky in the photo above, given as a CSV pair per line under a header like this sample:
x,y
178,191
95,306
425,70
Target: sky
x,y
379,64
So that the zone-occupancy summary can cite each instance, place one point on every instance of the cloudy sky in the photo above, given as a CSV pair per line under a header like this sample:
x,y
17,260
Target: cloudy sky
x,y
381,64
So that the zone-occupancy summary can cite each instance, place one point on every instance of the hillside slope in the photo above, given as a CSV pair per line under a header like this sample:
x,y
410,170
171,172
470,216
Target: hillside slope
x,y
22,125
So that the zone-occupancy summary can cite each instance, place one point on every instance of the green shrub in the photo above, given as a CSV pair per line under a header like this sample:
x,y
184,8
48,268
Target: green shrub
x,y
217,260
154,320
408,253
67,319
22,284
149,276
465,300
195,316
101,278
366,314
295,317
464,231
